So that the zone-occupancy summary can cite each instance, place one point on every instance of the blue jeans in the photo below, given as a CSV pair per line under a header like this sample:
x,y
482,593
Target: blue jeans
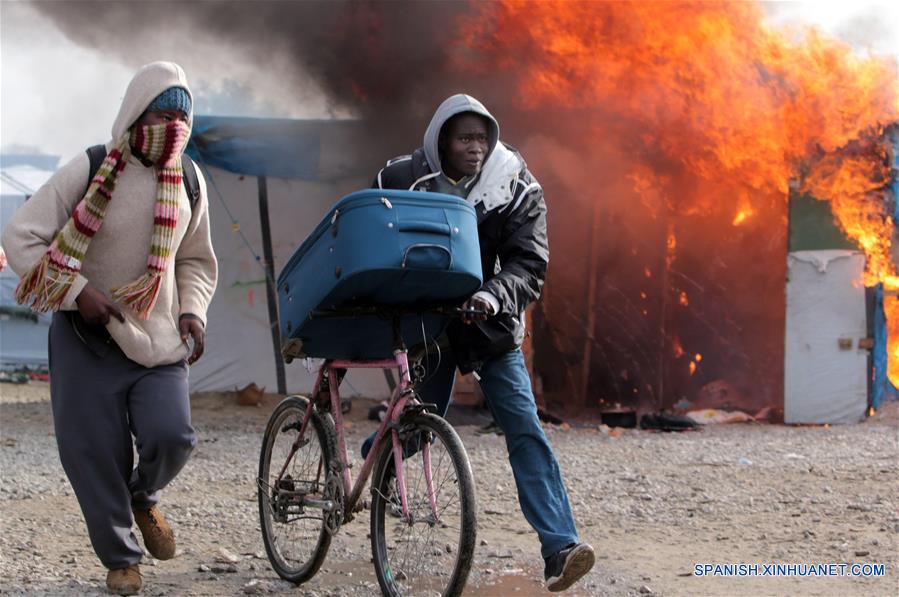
x,y
541,492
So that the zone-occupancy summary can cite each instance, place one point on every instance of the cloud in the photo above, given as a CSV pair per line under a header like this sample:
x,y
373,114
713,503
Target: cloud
x,y
54,95
865,24
62,80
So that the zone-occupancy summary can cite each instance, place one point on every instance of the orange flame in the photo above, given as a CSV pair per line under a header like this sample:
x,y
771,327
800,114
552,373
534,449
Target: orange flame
x,y
743,215
738,110
714,85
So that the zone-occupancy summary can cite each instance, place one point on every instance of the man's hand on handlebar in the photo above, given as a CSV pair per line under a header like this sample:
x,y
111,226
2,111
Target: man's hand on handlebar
x,y
476,309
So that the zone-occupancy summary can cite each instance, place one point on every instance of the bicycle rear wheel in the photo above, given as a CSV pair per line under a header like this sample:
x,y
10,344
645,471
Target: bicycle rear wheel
x,y
296,536
426,554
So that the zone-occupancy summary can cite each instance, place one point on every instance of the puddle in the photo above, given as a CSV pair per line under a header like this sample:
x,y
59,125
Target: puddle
x,y
500,583
506,583
514,581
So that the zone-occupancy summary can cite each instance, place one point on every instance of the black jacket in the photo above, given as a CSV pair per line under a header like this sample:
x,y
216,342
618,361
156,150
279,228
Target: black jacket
x,y
514,258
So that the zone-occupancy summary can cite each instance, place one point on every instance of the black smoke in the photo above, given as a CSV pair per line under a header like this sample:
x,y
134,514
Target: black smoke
x,y
606,330
378,59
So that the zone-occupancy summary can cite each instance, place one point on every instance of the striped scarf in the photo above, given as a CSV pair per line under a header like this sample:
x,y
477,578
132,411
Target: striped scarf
x,y
46,285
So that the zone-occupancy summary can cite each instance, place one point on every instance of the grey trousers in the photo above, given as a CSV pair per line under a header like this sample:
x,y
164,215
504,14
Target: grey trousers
x,y
100,399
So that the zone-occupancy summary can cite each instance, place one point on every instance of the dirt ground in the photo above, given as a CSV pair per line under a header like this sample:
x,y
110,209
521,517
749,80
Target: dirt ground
x,y
653,505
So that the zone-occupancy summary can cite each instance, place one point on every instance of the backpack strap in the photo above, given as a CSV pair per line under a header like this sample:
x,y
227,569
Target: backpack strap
x,y
191,182
97,153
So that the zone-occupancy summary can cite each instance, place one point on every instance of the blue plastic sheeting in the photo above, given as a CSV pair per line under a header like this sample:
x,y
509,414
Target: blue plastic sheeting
x,y
23,334
281,148
883,388
39,161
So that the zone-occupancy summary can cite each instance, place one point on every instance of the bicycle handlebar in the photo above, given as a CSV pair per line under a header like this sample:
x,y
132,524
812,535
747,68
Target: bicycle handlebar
x,y
391,312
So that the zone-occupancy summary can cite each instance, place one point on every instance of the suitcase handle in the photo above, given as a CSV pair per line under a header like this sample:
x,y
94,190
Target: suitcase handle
x,y
411,248
423,226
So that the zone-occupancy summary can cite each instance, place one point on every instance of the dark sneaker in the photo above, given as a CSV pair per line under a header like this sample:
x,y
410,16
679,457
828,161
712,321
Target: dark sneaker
x,y
566,567
489,428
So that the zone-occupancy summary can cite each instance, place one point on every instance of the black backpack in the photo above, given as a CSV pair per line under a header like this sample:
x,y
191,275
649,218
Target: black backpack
x,y
97,153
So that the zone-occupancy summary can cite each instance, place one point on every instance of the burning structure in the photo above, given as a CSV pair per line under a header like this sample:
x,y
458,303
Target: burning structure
x,y
678,136
669,139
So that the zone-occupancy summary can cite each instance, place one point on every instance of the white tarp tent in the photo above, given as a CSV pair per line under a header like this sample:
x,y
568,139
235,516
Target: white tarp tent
x,y
23,334
239,347
304,168
274,180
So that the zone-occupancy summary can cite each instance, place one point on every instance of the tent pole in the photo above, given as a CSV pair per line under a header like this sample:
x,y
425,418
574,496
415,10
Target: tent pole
x,y
268,264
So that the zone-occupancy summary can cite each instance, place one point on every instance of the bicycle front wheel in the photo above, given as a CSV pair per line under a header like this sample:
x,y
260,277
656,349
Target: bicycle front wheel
x,y
292,471
430,551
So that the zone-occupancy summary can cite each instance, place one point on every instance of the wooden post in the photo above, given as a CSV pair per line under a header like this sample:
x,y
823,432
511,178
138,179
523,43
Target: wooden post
x,y
268,264
586,397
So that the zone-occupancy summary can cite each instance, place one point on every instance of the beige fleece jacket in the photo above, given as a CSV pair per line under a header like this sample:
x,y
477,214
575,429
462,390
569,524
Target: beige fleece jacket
x,y
118,252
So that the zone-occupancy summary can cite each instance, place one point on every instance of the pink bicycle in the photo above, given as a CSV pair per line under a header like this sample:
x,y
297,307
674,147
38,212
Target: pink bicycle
x,y
423,510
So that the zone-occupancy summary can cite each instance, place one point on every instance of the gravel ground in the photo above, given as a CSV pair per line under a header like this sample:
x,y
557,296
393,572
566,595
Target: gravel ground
x,y
652,504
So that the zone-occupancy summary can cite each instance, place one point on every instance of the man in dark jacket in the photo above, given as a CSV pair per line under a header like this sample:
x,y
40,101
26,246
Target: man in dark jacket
x,y
462,156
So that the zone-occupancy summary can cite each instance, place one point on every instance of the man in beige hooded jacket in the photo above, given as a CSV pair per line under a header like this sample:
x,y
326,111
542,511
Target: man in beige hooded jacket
x,y
119,359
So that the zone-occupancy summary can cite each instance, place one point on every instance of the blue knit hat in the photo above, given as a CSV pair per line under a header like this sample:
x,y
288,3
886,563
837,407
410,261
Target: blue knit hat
x,y
173,98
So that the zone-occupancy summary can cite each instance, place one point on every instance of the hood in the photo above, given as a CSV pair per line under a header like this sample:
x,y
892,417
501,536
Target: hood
x,y
148,82
451,106
498,184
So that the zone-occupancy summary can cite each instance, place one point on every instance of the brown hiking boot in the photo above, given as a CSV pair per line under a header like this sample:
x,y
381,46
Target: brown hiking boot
x,y
158,536
124,581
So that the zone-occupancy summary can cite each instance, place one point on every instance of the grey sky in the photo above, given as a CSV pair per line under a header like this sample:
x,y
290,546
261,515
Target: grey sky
x,y
57,97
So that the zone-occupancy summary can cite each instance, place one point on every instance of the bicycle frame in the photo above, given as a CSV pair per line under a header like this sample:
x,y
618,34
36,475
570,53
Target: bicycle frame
x,y
401,397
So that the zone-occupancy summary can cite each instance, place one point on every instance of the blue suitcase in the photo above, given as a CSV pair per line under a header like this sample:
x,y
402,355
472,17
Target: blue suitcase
x,y
378,248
